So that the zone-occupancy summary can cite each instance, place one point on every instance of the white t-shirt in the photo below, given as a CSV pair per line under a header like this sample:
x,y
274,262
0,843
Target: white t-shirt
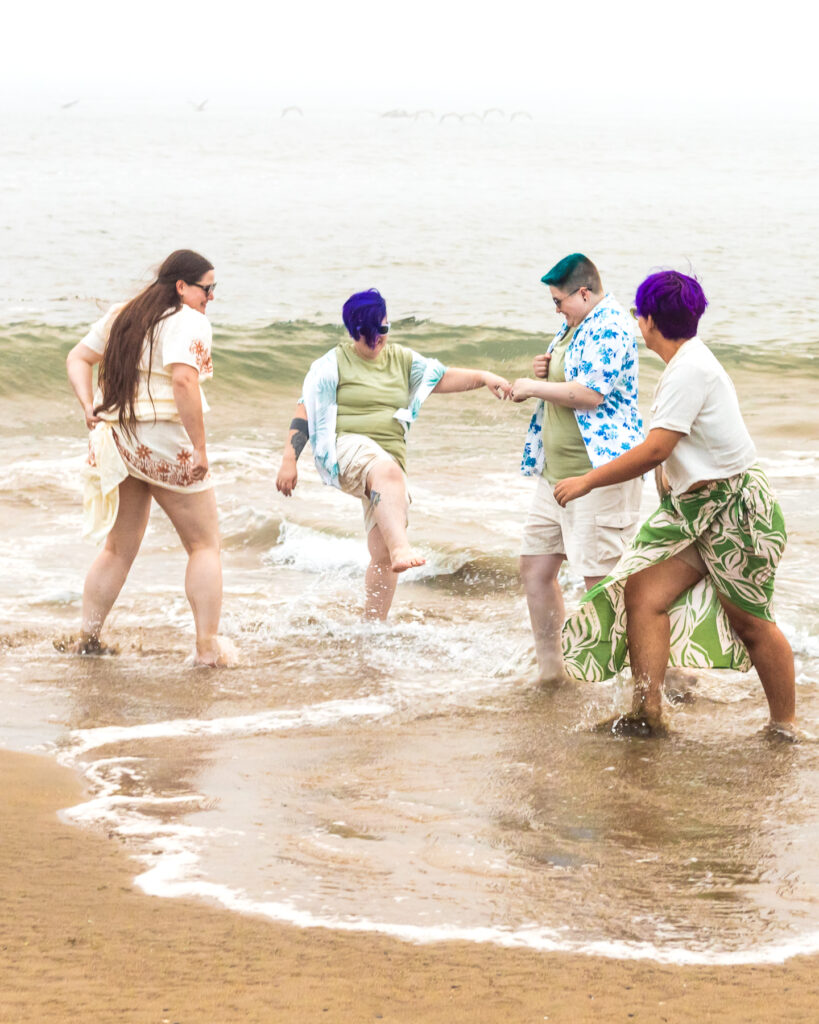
x,y
183,337
695,396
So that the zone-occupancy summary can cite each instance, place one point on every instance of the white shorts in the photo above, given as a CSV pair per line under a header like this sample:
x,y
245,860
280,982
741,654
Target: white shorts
x,y
592,532
355,455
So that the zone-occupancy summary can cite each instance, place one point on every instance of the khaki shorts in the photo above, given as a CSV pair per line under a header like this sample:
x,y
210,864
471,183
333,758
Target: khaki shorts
x,y
355,455
592,532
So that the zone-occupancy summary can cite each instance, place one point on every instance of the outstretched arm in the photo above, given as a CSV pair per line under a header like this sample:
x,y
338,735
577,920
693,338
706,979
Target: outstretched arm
x,y
79,365
655,449
296,440
456,379
568,393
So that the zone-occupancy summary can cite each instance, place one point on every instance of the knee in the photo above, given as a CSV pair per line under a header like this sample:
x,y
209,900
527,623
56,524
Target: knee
x,y
534,571
636,597
386,473
204,545
121,551
752,630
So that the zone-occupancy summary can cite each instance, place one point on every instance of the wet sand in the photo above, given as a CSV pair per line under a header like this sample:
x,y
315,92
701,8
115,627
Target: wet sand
x,y
79,941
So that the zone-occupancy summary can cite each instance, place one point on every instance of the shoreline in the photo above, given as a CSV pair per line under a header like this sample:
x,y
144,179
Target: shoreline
x,y
78,938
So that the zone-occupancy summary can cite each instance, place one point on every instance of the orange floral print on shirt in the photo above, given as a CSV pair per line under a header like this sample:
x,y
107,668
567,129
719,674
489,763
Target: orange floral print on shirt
x,y
201,354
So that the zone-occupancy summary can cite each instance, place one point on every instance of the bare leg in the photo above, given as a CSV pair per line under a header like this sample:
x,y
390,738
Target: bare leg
x,y
195,520
546,611
386,491
109,569
771,656
648,596
380,581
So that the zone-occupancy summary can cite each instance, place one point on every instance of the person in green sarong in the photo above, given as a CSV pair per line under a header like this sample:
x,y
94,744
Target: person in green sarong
x,y
696,586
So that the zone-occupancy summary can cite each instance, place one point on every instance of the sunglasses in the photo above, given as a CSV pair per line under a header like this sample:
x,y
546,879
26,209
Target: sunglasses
x,y
208,289
559,302
383,329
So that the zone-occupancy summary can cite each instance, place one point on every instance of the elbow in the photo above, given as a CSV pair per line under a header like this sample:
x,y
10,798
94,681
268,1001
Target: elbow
x,y
657,455
589,402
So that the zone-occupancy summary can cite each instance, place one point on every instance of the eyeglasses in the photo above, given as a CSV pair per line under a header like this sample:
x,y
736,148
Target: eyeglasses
x,y
383,329
559,302
635,312
208,289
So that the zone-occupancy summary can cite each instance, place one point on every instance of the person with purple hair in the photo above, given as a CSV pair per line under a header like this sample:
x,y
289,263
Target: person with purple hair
x,y
358,403
696,587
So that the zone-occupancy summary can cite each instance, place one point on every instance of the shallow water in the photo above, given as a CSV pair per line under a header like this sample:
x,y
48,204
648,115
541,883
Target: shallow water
x,y
409,778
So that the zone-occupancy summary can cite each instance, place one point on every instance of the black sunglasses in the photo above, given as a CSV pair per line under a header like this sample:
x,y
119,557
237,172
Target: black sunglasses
x,y
383,329
208,289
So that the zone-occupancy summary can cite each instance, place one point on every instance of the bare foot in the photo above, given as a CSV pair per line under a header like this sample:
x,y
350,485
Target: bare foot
x,y
552,680
221,653
788,732
633,724
405,558
85,645
678,684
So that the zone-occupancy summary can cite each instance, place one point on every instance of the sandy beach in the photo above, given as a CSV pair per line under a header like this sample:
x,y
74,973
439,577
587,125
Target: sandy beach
x,y
79,941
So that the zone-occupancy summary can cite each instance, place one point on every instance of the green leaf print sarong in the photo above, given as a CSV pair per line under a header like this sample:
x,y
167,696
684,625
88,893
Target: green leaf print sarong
x,y
738,529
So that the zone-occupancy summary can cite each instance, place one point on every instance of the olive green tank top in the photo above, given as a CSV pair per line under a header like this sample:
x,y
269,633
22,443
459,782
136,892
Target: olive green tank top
x,y
370,391
563,448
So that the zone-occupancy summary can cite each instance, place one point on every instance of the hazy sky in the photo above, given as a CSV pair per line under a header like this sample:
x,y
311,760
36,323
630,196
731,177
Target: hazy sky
x,y
513,53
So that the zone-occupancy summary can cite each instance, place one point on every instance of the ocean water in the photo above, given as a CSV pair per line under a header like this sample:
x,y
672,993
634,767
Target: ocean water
x,y
407,778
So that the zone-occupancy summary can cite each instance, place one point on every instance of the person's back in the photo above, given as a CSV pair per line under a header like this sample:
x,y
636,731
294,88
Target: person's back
x,y
182,336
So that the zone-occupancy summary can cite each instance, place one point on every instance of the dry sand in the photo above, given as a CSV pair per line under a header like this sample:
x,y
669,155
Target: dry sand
x,y
78,942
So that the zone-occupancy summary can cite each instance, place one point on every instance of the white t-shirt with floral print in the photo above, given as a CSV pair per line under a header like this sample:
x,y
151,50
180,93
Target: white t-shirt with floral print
x,y
183,337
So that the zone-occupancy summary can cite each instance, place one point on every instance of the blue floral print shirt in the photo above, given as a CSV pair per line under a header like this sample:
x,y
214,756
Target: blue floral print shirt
x,y
602,356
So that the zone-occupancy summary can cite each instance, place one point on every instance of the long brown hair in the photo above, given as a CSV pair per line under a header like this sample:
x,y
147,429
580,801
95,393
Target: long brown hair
x,y
135,326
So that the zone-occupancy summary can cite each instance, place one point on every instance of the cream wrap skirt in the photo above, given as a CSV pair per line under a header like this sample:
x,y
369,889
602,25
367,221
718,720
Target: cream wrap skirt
x,y
160,453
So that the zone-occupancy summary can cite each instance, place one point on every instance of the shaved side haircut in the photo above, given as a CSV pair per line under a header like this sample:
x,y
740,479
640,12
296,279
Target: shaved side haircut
x,y
573,272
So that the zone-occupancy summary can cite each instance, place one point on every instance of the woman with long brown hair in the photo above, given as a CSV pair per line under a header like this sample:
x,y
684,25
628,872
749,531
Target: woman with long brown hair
x,y
148,441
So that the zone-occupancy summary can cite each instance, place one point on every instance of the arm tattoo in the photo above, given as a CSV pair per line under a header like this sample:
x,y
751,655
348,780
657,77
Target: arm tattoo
x,y
299,439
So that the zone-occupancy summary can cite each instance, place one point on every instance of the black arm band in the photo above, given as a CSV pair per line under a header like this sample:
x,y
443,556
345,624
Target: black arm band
x,y
298,439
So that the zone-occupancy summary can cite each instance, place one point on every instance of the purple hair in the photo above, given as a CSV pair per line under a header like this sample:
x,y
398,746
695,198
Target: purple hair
x,y
675,301
363,313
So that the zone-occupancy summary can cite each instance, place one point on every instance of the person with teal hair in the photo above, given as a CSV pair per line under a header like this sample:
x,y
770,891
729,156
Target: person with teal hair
x,y
586,415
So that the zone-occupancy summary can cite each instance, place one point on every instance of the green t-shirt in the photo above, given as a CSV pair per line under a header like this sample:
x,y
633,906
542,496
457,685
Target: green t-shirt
x,y
370,391
563,447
